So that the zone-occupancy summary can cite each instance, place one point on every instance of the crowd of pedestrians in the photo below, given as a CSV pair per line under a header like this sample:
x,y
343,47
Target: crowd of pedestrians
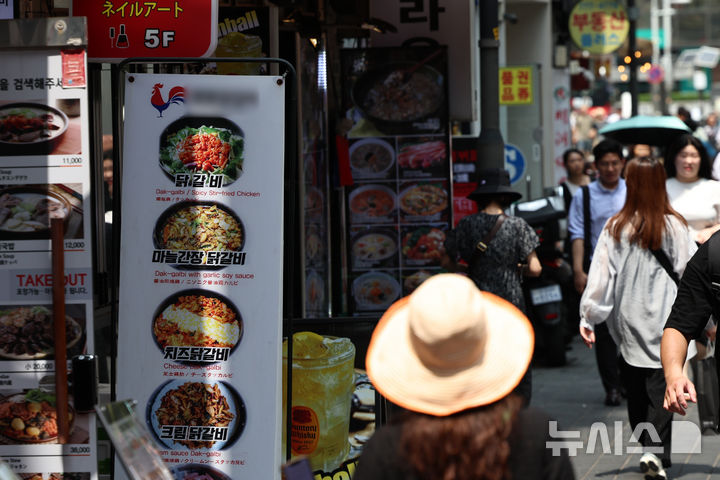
x,y
454,356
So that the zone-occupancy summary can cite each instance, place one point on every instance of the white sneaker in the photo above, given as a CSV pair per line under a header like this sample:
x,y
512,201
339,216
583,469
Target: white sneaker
x,y
652,467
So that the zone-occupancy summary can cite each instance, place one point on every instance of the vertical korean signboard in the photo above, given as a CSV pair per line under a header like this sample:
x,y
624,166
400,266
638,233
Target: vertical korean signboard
x,y
201,269
44,174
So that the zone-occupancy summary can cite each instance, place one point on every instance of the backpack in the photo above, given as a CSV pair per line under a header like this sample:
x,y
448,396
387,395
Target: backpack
x,y
714,263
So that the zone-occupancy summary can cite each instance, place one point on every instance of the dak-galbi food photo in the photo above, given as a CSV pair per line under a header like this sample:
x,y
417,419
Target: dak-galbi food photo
x,y
196,415
199,226
202,145
197,319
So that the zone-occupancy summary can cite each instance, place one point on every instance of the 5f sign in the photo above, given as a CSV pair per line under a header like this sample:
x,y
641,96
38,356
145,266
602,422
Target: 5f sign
x,y
154,36
421,11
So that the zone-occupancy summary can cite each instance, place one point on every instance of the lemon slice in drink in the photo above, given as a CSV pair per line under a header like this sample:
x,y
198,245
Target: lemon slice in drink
x,y
309,345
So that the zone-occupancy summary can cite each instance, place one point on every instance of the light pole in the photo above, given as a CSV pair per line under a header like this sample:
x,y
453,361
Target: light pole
x,y
490,145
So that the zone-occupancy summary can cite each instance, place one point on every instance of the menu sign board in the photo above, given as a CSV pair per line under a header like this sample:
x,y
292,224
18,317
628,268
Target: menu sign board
x,y
44,174
201,269
400,204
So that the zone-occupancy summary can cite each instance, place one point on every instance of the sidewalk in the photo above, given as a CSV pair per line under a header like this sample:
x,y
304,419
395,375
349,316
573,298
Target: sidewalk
x,y
574,396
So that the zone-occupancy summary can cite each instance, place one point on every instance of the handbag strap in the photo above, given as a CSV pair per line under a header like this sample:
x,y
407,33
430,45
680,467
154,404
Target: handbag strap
x,y
482,245
665,262
587,224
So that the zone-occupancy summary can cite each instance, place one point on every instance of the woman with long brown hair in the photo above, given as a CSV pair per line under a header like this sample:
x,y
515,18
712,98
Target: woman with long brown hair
x,y
451,355
632,283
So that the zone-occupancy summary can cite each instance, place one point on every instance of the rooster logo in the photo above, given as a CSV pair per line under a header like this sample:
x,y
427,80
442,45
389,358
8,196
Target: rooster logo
x,y
176,95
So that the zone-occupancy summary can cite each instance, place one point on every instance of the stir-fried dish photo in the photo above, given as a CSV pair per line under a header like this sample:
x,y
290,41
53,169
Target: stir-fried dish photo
x,y
197,321
195,404
203,228
206,149
197,472
399,97
27,332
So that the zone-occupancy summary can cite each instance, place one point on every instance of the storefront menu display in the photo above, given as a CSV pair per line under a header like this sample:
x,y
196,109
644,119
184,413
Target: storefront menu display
x,y
399,207
44,175
315,191
201,269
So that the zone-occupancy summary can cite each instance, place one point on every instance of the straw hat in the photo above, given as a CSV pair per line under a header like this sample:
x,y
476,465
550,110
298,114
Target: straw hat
x,y
449,347
493,181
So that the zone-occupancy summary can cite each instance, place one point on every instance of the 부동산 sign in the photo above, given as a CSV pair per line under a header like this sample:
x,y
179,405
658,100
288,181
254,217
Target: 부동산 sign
x,y
163,28
599,26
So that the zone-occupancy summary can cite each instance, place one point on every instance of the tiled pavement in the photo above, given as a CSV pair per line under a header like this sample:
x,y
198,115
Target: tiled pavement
x,y
574,396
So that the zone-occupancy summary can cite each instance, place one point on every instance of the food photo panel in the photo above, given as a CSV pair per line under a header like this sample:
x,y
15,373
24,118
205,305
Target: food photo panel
x,y
373,247
394,91
373,203
27,331
411,279
424,202
423,157
372,158
375,290
26,210
197,327
197,471
202,152
29,417
195,415
199,235
38,128
423,245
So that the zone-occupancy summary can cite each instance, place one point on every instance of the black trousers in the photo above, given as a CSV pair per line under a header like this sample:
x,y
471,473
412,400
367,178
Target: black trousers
x,y
645,393
606,355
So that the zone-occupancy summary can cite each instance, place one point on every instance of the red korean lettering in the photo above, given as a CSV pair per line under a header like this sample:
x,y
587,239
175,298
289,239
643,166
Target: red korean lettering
x,y
580,20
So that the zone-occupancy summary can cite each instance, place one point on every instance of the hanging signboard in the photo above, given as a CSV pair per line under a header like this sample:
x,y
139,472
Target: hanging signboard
x,y
201,269
599,26
44,174
516,85
163,28
6,9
